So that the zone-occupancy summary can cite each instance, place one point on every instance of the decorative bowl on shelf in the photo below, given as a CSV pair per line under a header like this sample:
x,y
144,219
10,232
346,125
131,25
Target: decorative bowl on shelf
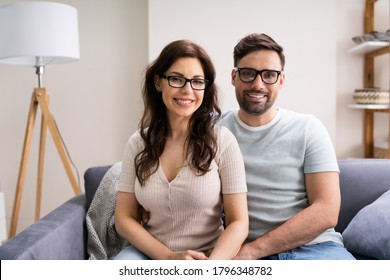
x,y
371,96
363,38
372,36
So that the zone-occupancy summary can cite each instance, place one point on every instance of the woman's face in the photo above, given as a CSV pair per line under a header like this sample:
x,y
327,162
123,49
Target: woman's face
x,y
181,103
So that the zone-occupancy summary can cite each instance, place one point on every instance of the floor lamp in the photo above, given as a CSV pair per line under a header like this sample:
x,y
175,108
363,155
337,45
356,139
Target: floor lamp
x,y
38,34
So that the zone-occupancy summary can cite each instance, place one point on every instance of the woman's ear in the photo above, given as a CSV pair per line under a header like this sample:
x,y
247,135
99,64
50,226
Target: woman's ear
x,y
157,83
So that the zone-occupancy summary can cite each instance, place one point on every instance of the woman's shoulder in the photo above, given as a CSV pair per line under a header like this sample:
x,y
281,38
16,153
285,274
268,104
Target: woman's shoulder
x,y
222,131
224,135
135,140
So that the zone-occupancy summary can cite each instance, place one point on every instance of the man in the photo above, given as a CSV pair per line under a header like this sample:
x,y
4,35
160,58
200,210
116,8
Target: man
x,y
291,168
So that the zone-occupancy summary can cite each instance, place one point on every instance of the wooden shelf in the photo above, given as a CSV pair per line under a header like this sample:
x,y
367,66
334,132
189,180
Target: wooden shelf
x,y
369,46
368,106
369,50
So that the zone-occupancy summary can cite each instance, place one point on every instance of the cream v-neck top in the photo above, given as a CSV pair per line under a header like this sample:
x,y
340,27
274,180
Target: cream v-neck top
x,y
186,213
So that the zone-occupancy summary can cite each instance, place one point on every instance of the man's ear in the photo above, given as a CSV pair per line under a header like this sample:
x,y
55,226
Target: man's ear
x,y
157,83
281,79
233,74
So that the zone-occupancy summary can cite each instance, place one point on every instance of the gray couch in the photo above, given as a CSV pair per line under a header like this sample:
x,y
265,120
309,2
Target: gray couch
x,y
62,234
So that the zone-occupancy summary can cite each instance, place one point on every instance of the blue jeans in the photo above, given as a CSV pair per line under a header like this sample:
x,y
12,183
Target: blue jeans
x,y
321,251
131,253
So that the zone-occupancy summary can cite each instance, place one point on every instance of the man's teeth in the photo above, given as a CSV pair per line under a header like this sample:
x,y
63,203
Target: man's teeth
x,y
257,95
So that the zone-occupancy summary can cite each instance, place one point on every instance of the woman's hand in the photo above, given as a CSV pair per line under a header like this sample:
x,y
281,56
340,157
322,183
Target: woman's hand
x,y
188,255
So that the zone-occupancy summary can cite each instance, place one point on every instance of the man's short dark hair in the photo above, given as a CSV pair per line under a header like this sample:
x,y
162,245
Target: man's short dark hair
x,y
257,42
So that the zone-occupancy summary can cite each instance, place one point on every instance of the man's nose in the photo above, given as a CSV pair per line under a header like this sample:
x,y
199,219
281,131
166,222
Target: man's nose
x,y
258,82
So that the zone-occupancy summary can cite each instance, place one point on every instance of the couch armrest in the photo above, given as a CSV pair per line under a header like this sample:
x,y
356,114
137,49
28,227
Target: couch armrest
x,y
59,235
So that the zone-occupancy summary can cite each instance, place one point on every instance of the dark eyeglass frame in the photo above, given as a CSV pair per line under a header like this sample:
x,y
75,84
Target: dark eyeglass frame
x,y
258,72
168,78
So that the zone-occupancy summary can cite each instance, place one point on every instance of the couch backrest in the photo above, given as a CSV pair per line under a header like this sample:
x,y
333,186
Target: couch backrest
x,y
92,178
362,181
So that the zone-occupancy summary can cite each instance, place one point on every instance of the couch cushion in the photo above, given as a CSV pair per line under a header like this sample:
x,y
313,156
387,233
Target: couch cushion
x,y
369,231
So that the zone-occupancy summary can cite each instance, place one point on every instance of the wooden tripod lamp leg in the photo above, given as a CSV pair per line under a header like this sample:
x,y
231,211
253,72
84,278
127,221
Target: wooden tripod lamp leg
x,y
41,161
41,96
23,165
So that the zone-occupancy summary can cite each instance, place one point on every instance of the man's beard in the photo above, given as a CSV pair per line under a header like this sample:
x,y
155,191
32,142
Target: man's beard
x,y
252,107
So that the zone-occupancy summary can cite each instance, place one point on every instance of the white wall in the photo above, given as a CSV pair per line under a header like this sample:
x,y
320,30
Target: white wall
x,y
96,101
316,34
305,28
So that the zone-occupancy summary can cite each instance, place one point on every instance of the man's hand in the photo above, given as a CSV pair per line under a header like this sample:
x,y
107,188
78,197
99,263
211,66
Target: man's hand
x,y
247,252
143,216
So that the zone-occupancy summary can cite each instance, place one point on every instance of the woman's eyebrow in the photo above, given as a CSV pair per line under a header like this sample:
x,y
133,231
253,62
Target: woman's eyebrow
x,y
181,75
176,73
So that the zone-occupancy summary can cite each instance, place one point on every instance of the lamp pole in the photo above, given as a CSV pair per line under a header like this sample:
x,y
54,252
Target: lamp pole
x,y
40,70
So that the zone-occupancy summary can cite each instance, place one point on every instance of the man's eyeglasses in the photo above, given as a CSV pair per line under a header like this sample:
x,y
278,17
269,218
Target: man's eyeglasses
x,y
180,82
248,75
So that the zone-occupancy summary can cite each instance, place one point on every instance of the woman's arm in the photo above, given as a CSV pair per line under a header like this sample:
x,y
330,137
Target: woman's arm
x,y
128,226
236,218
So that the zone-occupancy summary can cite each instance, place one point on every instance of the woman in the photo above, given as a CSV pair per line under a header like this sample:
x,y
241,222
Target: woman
x,y
181,168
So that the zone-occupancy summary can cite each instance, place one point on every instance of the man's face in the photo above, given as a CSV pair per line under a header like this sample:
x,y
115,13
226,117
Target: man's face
x,y
257,97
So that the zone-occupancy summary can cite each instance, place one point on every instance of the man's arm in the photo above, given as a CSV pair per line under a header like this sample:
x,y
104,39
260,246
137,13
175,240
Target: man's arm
x,y
323,194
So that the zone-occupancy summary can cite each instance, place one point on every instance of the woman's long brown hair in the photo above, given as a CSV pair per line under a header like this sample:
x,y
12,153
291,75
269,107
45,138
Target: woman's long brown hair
x,y
154,127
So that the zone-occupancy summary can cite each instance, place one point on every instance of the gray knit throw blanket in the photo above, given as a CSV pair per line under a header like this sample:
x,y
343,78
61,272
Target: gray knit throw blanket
x,y
104,242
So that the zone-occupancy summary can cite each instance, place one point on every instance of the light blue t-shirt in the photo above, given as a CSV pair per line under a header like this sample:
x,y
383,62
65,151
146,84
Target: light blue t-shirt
x,y
276,156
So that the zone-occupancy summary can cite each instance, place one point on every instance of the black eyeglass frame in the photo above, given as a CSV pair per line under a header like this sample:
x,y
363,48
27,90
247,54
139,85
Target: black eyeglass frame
x,y
168,78
258,72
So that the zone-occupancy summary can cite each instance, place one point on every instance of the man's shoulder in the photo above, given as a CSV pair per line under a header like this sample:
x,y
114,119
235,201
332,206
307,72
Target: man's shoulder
x,y
228,118
229,114
298,117
223,133
295,114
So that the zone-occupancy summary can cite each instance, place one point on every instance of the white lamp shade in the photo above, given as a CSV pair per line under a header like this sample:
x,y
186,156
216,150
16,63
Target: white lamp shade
x,y
38,33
